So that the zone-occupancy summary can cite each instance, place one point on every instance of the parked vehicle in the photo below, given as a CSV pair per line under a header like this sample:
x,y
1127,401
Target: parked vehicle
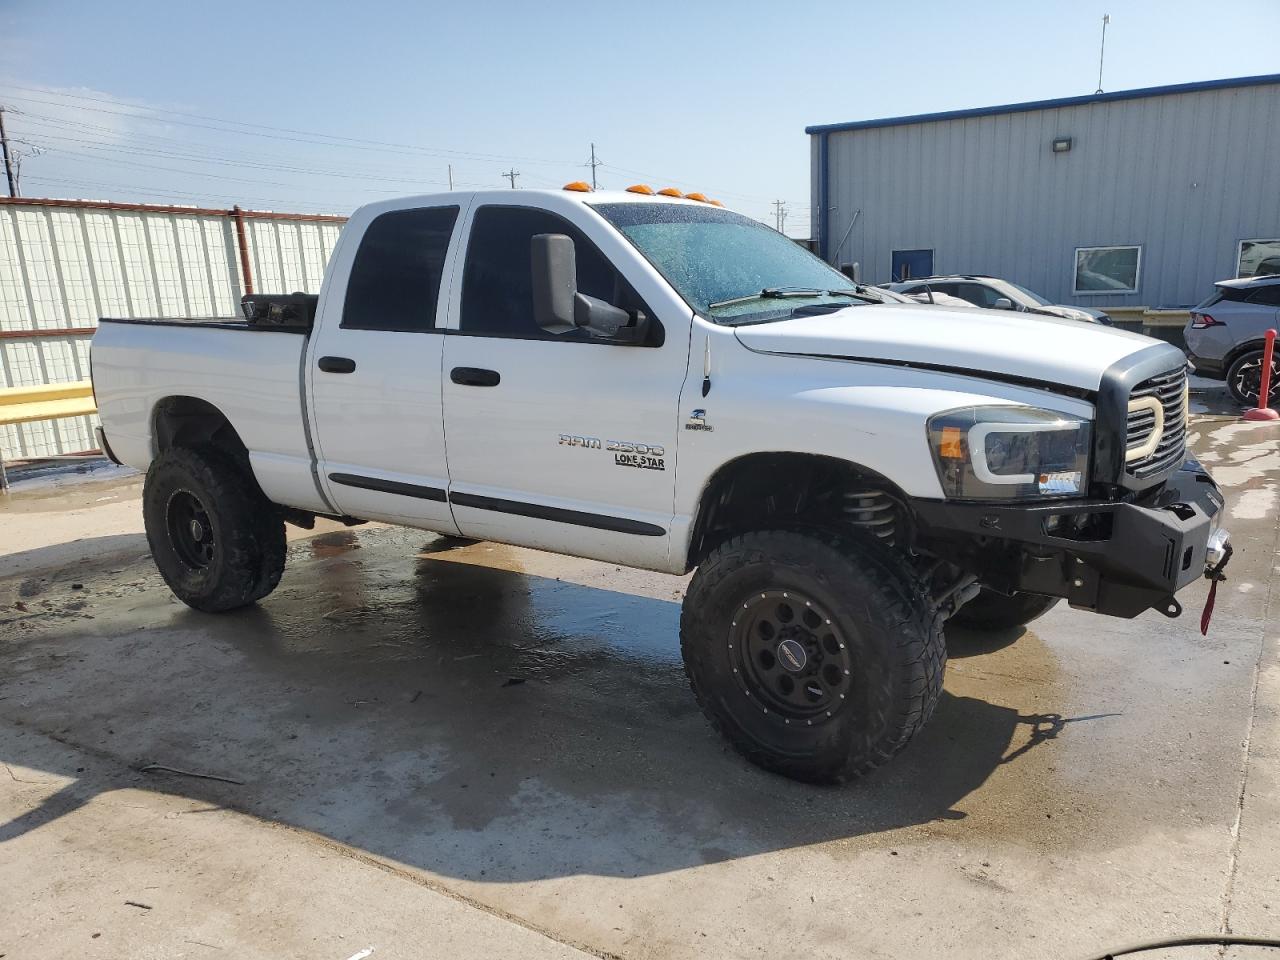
x,y
936,298
996,294
1225,335
533,367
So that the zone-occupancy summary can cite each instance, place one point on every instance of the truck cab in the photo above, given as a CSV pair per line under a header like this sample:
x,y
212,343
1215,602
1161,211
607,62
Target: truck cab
x,y
656,381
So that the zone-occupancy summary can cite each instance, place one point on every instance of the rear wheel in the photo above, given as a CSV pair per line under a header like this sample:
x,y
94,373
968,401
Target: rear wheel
x,y
817,657
994,611
1244,379
217,541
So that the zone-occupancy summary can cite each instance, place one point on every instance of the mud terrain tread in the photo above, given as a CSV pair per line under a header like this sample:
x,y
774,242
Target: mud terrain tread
x,y
885,583
249,528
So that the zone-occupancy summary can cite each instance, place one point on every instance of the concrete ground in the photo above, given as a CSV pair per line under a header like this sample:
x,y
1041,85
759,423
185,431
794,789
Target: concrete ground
x,y
480,751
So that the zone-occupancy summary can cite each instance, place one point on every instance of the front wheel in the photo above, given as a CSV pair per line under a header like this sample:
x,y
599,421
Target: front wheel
x,y
217,541
1244,379
817,657
995,611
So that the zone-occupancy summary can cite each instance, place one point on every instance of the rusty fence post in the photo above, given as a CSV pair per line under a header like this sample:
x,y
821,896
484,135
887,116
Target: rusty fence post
x,y
243,244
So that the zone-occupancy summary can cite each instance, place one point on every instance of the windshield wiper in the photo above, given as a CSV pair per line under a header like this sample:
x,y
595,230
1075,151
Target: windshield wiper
x,y
768,293
859,292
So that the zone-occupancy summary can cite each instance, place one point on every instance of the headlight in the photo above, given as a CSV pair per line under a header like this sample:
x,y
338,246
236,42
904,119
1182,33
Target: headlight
x,y
997,453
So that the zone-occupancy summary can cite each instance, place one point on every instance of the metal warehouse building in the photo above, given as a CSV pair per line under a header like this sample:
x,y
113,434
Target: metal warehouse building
x,y
1140,198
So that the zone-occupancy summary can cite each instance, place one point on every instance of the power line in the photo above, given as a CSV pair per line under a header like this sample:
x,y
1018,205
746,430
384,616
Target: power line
x,y
98,146
511,175
312,137
152,191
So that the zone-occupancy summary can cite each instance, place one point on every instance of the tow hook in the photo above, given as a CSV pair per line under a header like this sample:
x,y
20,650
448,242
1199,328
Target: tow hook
x,y
1217,553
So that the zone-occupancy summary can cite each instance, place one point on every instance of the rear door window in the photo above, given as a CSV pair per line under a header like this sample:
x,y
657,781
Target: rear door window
x,y
395,278
977,294
1268,296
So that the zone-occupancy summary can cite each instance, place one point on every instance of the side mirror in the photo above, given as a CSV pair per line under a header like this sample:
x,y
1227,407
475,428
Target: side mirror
x,y
1002,303
558,307
555,281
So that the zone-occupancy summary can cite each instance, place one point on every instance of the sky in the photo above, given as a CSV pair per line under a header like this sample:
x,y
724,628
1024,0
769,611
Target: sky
x,y
320,106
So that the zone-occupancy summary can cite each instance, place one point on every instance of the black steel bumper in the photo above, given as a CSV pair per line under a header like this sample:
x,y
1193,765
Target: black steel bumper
x,y
1118,558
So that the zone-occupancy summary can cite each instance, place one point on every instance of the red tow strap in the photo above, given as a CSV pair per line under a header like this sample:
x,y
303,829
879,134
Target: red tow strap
x,y
1208,608
1215,576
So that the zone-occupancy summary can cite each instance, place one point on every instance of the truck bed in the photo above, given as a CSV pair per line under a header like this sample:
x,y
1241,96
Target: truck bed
x,y
257,382
217,323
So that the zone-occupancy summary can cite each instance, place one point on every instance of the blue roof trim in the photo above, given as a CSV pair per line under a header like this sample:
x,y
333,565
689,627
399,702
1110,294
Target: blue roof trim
x,y
1049,104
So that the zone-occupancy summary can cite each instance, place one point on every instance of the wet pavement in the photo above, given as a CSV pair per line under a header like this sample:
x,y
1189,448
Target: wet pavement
x,y
509,734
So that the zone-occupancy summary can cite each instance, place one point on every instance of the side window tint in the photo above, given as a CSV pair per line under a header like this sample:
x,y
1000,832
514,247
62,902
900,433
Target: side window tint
x,y
497,283
1268,295
395,278
971,292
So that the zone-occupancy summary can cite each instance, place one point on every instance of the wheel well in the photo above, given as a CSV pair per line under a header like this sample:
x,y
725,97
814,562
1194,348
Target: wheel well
x,y
192,422
1239,351
771,490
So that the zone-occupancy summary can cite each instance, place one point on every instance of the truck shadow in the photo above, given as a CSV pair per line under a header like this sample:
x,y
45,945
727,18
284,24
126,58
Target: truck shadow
x,y
477,722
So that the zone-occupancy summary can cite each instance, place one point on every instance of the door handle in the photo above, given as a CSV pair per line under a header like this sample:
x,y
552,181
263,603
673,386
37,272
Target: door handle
x,y
475,377
337,365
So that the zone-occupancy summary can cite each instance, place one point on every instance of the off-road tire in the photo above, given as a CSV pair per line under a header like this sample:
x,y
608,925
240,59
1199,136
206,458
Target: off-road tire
x,y
1247,394
878,607
994,611
245,557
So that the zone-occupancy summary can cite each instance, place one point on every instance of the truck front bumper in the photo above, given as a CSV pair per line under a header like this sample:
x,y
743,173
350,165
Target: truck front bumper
x,y
1117,558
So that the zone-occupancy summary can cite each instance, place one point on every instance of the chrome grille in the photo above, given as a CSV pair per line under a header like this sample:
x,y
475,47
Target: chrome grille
x,y
1169,391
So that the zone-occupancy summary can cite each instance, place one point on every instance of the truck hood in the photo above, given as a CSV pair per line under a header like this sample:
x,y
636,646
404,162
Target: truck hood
x,y
994,343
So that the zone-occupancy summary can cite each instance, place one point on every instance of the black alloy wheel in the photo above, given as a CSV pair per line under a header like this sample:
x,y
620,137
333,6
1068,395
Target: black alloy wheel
x,y
190,530
791,658
1244,379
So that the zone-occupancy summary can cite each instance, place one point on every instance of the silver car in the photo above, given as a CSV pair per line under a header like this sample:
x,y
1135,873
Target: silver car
x,y
995,294
1225,335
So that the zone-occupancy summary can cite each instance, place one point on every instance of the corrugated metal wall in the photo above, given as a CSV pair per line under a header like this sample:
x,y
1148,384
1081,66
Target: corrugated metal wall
x,y
1185,175
62,267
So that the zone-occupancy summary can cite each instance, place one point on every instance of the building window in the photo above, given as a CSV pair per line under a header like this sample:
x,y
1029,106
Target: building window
x,y
1258,258
1107,270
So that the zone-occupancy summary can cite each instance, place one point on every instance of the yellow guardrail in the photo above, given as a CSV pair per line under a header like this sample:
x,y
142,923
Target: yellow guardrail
x,y
25,404
51,402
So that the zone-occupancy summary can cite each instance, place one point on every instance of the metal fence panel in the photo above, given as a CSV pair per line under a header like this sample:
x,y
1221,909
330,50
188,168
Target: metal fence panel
x,y
65,264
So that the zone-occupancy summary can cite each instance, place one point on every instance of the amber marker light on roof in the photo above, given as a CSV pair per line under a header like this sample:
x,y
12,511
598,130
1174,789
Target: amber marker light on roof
x,y
701,198
670,192
641,188
578,186
715,203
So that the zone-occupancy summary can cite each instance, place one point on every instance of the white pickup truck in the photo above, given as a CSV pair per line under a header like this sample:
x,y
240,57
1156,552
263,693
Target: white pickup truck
x,y
659,382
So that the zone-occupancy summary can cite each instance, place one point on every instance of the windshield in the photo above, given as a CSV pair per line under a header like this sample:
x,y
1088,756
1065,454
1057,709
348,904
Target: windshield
x,y
1029,294
727,266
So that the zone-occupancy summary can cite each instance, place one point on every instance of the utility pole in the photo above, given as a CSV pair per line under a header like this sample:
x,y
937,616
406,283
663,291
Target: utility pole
x,y
8,160
511,175
779,214
1106,18
594,163
451,176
